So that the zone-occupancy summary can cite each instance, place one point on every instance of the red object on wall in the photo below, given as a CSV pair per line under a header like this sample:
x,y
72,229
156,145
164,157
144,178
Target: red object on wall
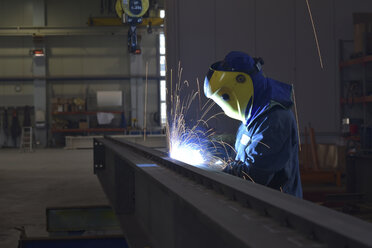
x,y
353,128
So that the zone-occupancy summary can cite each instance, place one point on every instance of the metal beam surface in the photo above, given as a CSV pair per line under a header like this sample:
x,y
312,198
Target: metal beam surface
x,y
165,203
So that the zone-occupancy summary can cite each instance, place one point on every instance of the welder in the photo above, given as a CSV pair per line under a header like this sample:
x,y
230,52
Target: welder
x,y
267,142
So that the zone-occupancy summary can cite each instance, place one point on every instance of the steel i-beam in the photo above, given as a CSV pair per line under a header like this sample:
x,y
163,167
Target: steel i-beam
x,y
163,203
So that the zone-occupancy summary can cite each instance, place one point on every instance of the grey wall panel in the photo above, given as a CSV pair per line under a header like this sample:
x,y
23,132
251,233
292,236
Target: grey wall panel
x,y
8,90
275,38
104,55
197,47
65,55
15,13
16,100
343,16
15,59
196,37
172,33
61,89
235,27
59,13
316,91
195,40
87,56
71,12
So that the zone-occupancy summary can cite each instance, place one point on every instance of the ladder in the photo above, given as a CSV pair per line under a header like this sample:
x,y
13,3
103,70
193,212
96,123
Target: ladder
x,y
26,139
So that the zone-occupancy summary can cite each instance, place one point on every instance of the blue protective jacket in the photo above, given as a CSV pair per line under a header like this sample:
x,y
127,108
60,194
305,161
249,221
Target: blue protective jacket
x,y
267,143
268,147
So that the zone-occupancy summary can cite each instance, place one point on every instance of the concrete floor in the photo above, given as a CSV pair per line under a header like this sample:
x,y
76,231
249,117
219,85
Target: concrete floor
x,y
31,182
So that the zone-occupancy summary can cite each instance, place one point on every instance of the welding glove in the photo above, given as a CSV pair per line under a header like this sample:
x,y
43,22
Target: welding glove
x,y
236,168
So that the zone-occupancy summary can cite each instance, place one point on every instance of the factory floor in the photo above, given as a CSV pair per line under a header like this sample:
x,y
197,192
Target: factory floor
x,y
31,182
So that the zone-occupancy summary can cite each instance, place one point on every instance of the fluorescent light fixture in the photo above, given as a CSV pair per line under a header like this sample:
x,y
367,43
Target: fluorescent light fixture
x,y
38,52
162,13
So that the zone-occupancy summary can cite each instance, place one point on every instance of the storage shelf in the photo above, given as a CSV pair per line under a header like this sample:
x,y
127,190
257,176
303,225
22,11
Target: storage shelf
x,y
357,101
88,130
85,112
353,138
361,60
321,176
363,99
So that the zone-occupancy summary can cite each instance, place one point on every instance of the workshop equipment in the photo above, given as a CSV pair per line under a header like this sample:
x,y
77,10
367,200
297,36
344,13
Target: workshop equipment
x,y
132,11
161,202
312,171
75,226
26,139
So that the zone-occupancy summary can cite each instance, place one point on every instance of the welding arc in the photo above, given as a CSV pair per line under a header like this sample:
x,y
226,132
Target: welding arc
x,y
315,34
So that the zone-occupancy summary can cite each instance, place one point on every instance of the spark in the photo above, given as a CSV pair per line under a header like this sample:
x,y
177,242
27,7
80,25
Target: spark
x,y
188,154
193,145
315,33
298,125
219,162
196,145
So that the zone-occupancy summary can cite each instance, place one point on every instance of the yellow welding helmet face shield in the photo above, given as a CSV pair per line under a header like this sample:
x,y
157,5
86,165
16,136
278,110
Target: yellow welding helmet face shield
x,y
232,91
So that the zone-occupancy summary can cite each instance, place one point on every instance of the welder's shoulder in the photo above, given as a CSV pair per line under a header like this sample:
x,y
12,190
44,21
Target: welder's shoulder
x,y
274,120
279,118
281,113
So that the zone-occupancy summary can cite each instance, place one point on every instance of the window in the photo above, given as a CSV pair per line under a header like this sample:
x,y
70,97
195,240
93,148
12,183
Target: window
x,y
163,84
162,65
162,13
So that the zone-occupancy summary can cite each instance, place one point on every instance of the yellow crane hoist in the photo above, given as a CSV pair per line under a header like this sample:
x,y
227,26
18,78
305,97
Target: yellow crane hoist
x,y
131,11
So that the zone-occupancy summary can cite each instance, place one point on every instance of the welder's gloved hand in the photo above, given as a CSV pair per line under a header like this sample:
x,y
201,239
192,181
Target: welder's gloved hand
x,y
236,168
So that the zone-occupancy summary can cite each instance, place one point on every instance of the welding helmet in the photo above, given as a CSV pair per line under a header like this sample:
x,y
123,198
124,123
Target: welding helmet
x,y
229,84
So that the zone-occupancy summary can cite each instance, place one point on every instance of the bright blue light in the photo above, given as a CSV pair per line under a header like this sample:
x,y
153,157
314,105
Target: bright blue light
x,y
147,165
188,154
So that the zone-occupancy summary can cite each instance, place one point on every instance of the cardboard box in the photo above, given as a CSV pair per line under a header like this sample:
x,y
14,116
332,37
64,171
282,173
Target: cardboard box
x,y
54,100
330,156
54,107
362,33
363,38
59,108
83,125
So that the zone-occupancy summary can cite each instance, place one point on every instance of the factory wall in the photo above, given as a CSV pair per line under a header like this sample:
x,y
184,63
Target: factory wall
x,y
278,31
58,13
15,60
68,56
